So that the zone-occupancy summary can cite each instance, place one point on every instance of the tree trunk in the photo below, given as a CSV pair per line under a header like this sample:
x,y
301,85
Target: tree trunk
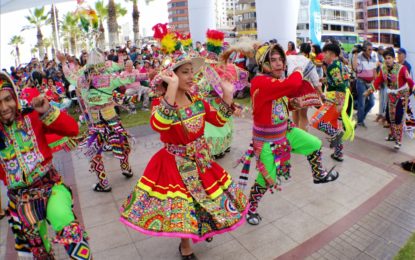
x,y
54,11
39,36
73,44
112,25
101,38
18,54
136,18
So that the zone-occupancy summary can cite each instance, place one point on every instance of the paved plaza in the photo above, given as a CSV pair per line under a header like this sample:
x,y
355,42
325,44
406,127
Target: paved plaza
x,y
368,213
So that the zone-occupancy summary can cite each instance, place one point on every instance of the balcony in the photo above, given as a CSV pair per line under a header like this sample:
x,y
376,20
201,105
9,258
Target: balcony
x,y
252,32
246,2
245,10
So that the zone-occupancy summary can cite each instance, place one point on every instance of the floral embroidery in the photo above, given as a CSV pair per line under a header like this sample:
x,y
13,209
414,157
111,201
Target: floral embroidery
x,y
279,110
22,156
194,124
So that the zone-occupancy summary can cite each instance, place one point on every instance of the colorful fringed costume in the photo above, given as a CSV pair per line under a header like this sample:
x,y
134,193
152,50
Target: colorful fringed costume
x,y
274,137
98,91
211,76
334,117
36,192
399,85
183,192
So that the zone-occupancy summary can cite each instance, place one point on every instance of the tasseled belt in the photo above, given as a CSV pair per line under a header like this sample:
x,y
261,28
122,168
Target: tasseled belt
x,y
276,135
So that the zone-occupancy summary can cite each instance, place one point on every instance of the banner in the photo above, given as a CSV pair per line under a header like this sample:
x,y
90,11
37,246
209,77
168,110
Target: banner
x,y
315,21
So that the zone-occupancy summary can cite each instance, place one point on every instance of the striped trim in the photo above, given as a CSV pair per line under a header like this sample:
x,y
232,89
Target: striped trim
x,y
273,133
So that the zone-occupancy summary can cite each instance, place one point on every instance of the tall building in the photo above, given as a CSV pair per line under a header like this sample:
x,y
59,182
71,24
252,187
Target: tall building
x,y
178,15
225,14
377,21
337,18
245,18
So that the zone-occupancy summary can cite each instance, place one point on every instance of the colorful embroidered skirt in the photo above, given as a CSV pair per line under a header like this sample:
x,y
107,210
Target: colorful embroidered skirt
x,y
176,198
219,138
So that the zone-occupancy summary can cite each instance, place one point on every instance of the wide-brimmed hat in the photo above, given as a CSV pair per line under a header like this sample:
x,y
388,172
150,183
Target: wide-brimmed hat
x,y
197,62
263,52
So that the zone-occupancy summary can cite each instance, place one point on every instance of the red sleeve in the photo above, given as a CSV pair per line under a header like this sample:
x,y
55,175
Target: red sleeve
x,y
217,117
404,73
60,123
161,115
271,88
378,80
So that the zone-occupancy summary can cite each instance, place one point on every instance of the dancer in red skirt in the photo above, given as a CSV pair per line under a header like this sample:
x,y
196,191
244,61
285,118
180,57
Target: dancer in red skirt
x,y
183,193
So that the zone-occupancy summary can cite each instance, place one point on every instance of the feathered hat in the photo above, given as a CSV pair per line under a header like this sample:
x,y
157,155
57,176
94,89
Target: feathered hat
x,y
171,46
245,45
185,40
87,16
214,41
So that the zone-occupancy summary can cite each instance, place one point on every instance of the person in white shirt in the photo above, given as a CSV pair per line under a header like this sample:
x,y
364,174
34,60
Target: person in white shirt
x,y
364,65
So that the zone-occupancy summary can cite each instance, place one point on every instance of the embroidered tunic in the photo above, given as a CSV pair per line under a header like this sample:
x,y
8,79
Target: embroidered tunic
x,y
26,156
270,114
399,86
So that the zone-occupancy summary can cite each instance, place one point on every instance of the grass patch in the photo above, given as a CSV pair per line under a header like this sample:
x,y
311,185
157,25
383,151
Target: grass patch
x,y
140,118
245,101
408,251
131,120
128,120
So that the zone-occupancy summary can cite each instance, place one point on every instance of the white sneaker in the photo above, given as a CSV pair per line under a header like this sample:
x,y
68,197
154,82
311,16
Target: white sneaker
x,y
397,146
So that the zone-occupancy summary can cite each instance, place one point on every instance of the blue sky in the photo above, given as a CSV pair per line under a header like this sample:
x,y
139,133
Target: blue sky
x,y
11,24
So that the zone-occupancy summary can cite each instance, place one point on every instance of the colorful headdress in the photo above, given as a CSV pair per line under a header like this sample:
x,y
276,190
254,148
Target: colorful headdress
x,y
214,41
88,17
171,45
245,45
185,40
7,83
169,40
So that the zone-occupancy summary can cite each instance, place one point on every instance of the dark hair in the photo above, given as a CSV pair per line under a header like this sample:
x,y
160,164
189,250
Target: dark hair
x,y
305,48
36,78
317,49
389,52
276,48
292,44
332,47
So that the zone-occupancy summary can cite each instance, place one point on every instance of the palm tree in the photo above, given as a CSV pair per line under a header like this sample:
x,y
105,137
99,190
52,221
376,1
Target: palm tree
x,y
112,24
136,19
37,19
102,12
114,11
33,51
16,40
55,27
71,30
47,42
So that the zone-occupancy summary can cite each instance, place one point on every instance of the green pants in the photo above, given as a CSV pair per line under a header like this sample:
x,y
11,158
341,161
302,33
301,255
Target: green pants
x,y
59,209
301,142
59,214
